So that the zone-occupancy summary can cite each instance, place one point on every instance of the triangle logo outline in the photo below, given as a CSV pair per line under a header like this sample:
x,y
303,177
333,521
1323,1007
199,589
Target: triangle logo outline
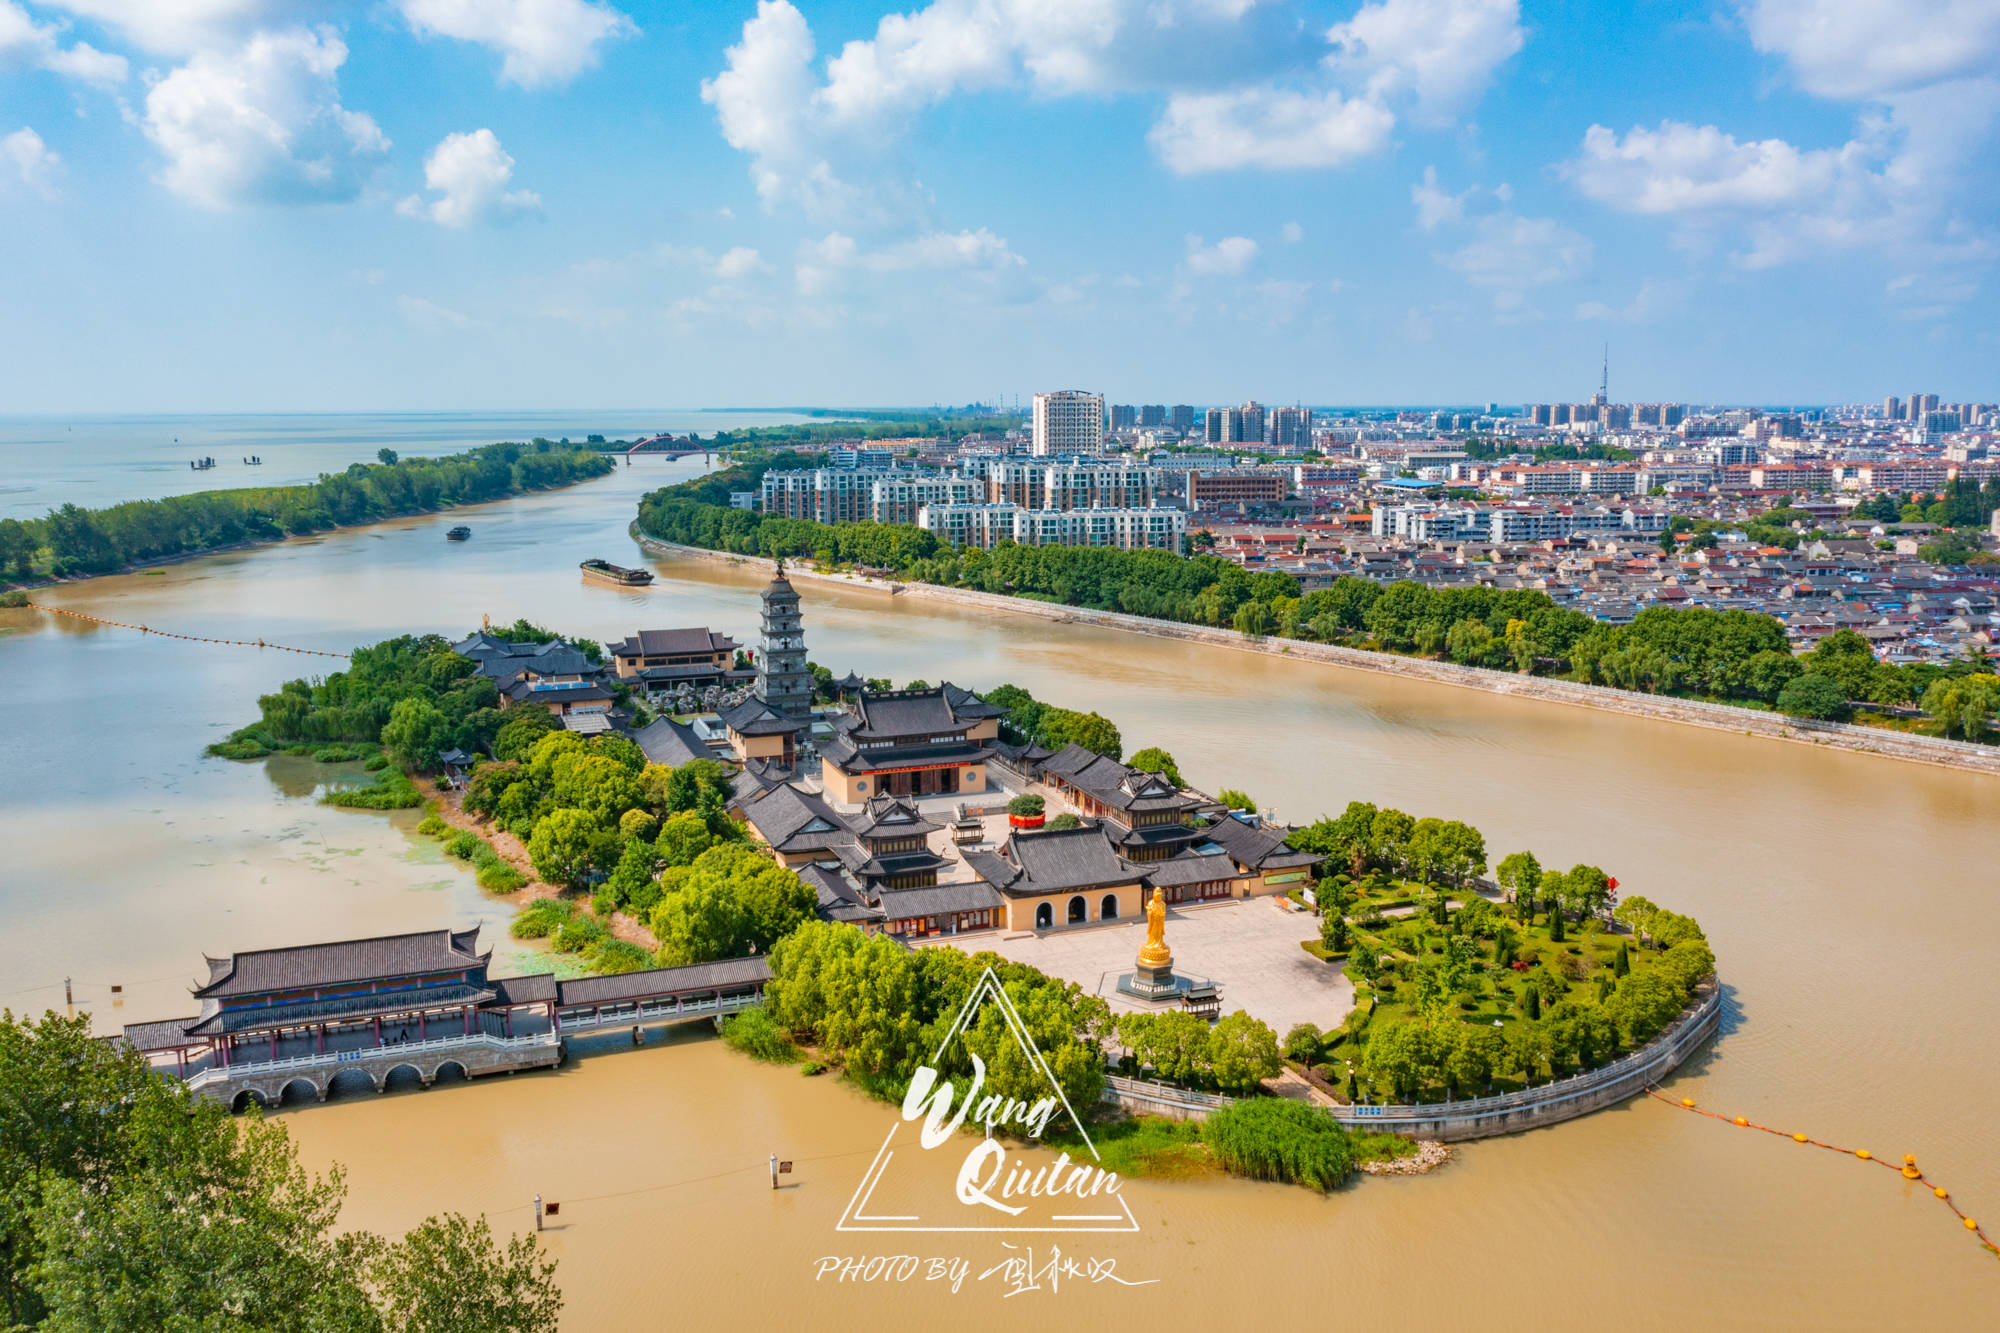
x,y
856,1218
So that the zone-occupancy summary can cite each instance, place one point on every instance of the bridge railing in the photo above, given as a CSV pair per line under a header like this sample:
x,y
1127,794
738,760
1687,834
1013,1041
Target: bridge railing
x,y
628,1012
244,1068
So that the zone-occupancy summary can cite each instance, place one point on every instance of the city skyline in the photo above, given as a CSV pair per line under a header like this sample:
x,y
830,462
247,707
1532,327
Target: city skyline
x,y
252,206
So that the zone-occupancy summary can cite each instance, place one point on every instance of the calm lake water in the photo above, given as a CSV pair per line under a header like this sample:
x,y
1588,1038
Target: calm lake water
x,y
1848,898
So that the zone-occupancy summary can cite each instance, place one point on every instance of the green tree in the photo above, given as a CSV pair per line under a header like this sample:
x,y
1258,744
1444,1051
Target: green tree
x,y
1814,696
1964,705
684,836
416,730
634,872
1242,1052
524,727
1405,1055
206,1224
568,848
1092,731
1236,800
1527,1047
1474,1053
700,923
1152,759
449,1275
1304,1043
386,456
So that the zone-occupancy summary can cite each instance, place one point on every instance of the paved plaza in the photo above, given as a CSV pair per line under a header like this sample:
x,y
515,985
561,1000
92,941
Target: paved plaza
x,y
1249,947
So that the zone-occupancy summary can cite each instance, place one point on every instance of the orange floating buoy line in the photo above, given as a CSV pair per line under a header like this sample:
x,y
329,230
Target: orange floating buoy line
x,y
1907,1168
190,638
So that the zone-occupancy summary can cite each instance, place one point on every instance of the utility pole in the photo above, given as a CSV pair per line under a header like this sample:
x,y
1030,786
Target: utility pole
x,y
774,1170
69,1000
538,1212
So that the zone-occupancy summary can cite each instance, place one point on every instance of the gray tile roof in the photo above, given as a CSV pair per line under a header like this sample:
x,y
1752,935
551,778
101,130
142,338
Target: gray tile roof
x,y
303,965
906,713
794,820
666,642
753,718
1052,861
937,900
671,743
728,974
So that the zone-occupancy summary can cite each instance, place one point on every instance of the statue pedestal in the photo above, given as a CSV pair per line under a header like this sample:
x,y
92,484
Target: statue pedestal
x,y
1153,981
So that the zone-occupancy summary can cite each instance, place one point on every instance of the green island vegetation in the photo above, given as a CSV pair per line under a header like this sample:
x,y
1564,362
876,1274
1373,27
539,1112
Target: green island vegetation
x,y
75,541
1731,657
132,1205
1456,996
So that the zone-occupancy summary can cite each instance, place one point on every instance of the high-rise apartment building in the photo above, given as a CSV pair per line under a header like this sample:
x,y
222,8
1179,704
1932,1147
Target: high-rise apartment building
x,y
1068,421
1181,417
1250,417
1217,421
1152,414
1892,408
1124,416
1291,428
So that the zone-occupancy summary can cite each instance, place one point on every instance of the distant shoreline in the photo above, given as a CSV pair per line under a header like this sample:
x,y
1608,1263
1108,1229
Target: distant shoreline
x,y
1663,708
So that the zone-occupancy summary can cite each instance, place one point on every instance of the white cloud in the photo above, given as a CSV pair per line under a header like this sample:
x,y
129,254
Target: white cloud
x,y
1231,254
1244,87
1680,168
1856,49
1435,207
41,44
262,123
977,254
470,174
1509,254
1439,54
1268,128
24,156
427,315
175,27
543,42
1292,233
740,261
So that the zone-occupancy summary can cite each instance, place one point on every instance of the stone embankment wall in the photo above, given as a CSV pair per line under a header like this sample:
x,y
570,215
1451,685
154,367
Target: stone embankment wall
x,y
1484,1117
1689,712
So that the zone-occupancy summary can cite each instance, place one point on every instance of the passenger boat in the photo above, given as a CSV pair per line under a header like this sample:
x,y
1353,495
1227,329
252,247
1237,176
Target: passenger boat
x,y
458,534
618,574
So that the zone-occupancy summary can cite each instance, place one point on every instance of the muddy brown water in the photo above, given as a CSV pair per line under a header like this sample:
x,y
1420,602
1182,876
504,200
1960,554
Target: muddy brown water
x,y
1849,899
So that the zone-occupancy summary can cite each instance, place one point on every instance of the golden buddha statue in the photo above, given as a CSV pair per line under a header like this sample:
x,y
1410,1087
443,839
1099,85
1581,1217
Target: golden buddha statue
x,y
1154,953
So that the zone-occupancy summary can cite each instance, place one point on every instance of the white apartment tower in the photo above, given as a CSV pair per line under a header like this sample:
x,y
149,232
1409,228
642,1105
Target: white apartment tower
x,y
1068,421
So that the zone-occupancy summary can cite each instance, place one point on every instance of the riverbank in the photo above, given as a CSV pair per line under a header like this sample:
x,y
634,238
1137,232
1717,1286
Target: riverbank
x,y
1662,708
446,805
139,534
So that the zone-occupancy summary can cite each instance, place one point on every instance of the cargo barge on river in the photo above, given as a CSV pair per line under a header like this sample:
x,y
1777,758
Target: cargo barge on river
x,y
607,572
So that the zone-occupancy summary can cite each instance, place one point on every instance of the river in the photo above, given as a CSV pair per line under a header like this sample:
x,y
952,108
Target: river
x,y
1847,897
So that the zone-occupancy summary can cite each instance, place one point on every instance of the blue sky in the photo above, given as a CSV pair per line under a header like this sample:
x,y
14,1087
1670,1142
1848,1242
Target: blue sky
x,y
214,205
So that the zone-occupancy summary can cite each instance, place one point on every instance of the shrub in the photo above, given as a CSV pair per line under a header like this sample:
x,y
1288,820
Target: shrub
x,y
463,844
1270,1138
619,956
391,791
579,933
1065,821
811,1067
432,826
1029,804
541,919
755,1033
377,763
496,876
342,752
1236,800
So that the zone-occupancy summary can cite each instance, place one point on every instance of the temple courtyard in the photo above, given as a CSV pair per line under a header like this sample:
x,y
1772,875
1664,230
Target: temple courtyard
x,y
1249,947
